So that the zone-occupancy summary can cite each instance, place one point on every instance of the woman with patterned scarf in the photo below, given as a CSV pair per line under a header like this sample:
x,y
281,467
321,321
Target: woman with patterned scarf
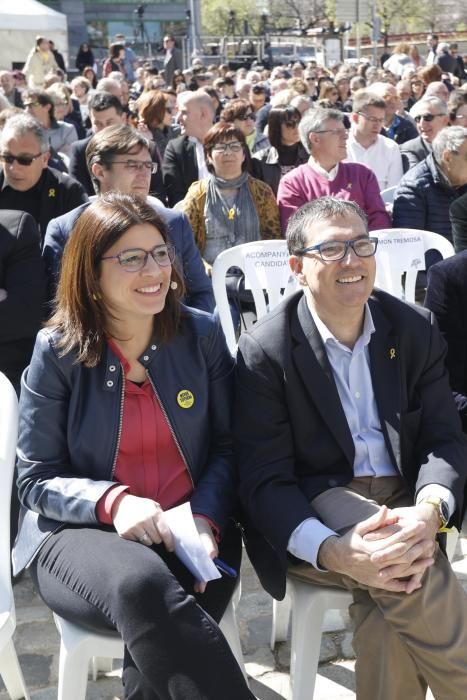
x,y
229,207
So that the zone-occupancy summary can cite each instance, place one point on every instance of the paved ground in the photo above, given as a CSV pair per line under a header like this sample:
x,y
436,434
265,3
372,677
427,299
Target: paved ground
x,y
37,645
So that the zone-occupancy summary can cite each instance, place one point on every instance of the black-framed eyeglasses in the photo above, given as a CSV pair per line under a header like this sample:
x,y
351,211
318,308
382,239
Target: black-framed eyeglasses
x,y
135,259
339,132
232,146
373,120
426,117
332,251
250,115
21,160
136,166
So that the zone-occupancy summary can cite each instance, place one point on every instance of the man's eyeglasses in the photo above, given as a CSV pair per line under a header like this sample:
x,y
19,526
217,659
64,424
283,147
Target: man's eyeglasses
x,y
30,104
136,166
343,133
135,259
373,120
331,251
232,146
426,117
21,160
250,115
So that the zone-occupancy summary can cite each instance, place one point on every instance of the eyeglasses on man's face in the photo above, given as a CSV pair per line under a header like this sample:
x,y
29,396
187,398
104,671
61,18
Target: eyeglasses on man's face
x,y
31,104
137,166
332,251
373,120
21,160
426,117
232,146
341,133
135,259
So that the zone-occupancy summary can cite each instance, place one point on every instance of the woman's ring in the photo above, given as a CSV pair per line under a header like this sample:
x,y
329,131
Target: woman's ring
x,y
144,538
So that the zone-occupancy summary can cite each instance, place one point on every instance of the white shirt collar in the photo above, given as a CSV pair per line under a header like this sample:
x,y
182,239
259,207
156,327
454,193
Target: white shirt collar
x,y
329,175
326,335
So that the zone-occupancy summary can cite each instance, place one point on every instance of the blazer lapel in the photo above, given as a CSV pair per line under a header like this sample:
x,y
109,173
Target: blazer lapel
x,y
386,378
315,371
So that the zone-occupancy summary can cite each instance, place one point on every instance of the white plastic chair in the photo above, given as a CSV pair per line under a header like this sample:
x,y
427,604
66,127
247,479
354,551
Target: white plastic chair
x,y
387,195
10,669
308,604
262,277
83,652
389,274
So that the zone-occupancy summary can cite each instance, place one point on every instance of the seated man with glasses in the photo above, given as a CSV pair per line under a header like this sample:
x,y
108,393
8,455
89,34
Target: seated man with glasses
x,y
324,136
426,192
366,144
119,160
430,115
352,457
27,183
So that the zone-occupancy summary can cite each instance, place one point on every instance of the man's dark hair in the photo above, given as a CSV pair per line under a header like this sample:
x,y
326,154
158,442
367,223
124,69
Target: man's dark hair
x,y
322,209
110,142
104,100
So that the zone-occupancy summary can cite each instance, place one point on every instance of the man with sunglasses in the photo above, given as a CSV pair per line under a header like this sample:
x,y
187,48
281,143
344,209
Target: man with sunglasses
x,y
27,182
351,457
430,115
119,160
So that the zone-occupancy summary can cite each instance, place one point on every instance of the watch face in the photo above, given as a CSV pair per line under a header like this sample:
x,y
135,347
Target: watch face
x,y
444,510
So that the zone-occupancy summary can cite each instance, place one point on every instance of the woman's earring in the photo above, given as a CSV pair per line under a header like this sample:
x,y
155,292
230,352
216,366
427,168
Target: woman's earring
x,y
173,285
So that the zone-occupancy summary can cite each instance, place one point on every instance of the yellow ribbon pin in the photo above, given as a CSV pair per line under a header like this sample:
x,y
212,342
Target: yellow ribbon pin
x,y
231,214
52,192
185,398
392,353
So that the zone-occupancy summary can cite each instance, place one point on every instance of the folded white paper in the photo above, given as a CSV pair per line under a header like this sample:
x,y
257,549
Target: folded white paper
x,y
188,546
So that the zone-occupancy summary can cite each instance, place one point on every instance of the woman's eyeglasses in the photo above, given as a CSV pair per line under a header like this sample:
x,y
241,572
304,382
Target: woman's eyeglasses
x,y
135,259
250,115
292,124
233,146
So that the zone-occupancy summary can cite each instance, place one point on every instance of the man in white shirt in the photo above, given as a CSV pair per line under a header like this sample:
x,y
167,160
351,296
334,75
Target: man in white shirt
x,y
366,144
351,457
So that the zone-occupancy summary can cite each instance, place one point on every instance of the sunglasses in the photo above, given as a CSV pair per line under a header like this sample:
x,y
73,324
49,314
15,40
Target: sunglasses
x,y
250,115
21,160
292,124
31,104
426,117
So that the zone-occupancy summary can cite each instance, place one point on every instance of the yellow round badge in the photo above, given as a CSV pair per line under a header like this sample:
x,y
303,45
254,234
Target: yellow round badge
x,y
185,398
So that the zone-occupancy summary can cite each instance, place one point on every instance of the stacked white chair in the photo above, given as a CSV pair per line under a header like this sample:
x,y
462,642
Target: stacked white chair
x,y
10,669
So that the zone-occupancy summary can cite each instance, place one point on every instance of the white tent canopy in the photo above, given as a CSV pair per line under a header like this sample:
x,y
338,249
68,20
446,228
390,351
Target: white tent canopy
x,y
21,21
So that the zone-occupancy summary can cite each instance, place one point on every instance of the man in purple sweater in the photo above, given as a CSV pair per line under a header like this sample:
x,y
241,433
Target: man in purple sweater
x,y
324,136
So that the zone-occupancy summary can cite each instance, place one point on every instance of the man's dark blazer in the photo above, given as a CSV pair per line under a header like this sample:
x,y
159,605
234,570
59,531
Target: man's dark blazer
x,y
78,168
446,297
171,64
22,277
291,435
199,292
59,193
458,218
180,168
413,152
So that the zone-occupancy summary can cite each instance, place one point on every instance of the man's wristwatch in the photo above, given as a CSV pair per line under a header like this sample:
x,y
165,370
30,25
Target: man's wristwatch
x,y
441,508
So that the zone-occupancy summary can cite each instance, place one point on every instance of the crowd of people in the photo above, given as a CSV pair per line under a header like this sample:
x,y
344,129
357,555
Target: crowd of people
x,y
118,191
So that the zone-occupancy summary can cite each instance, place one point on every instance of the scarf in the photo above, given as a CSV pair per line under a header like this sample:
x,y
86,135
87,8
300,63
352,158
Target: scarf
x,y
236,223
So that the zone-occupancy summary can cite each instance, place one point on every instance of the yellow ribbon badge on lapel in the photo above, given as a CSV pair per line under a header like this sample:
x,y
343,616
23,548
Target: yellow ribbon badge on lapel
x,y
392,353
52,192
185,398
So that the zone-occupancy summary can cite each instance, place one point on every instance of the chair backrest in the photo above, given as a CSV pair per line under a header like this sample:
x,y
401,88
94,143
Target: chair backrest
x,y
401,251
8,440
265,265
387,195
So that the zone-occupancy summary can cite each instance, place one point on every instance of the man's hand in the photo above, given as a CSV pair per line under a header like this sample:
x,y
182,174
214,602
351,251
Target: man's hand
x,y
142,520
395,563
209,544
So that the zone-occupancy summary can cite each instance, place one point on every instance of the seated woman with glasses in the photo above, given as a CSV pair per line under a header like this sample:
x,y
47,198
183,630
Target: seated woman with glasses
x,y
240,113
285,151
155,119
124,413
229,207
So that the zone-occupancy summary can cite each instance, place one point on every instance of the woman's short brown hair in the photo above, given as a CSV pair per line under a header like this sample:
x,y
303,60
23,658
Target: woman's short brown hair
x,y
80,312
221,132
151,107
235,109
